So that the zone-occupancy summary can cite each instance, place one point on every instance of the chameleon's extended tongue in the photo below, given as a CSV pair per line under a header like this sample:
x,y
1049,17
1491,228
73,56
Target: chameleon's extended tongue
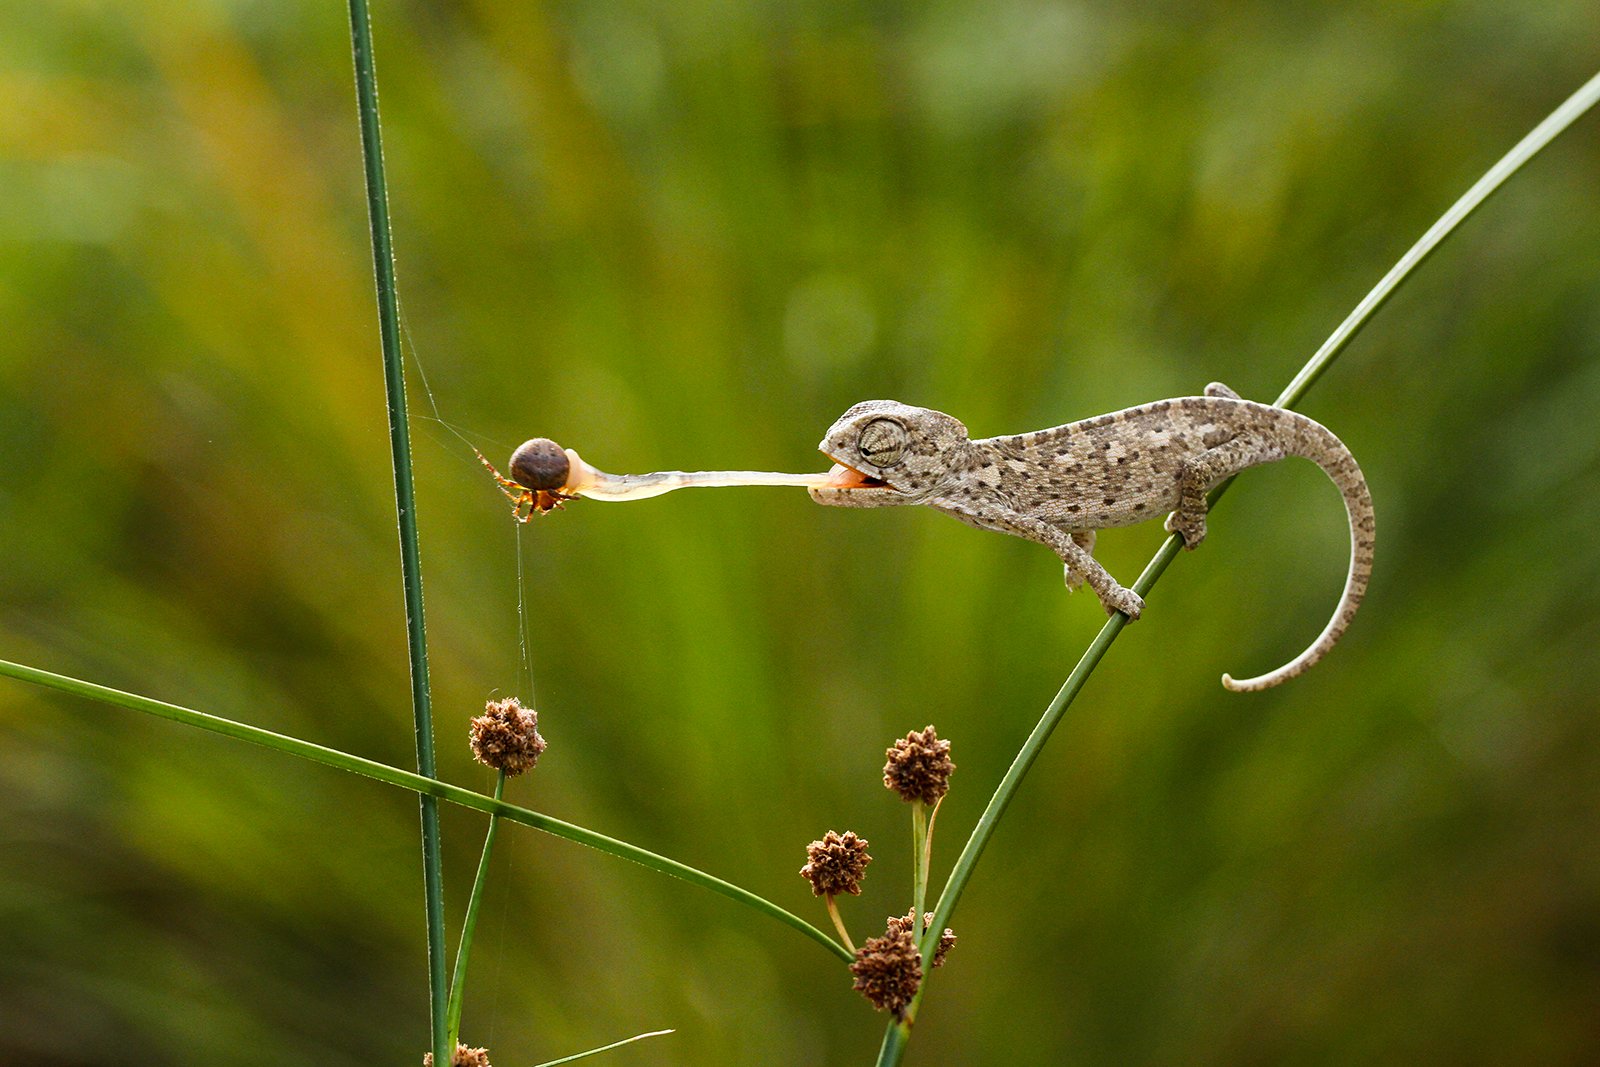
x,y
588,481
543,469
544,475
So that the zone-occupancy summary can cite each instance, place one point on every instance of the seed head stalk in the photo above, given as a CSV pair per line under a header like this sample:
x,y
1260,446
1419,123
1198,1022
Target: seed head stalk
x,y
458,979
919,861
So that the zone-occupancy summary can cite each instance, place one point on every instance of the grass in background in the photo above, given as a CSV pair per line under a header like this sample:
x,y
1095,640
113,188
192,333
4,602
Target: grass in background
x,y
638,293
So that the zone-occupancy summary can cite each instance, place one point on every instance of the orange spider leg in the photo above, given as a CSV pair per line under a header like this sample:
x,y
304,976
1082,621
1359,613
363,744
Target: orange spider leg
x,y
519,495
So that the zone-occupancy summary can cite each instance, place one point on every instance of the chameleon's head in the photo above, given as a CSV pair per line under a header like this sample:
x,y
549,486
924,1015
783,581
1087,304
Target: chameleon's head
x,y
887,453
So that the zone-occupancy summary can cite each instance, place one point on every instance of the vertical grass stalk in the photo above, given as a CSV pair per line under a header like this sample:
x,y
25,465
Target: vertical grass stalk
x,y
405,506
898,1032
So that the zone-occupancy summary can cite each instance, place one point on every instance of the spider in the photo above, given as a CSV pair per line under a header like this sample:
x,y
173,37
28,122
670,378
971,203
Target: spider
x,y
540,468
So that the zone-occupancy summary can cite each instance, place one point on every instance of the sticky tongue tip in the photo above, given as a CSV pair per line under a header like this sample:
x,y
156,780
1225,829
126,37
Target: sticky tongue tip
x,y
843,477
580,475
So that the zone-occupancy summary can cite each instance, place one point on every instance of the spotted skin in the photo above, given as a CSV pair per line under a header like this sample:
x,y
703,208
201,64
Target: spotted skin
x,y
1058,486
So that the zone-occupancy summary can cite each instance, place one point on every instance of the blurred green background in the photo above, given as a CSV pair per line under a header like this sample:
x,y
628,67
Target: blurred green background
x,y
688,236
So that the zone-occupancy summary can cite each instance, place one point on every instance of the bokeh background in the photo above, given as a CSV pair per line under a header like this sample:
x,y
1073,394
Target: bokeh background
x,y
688,236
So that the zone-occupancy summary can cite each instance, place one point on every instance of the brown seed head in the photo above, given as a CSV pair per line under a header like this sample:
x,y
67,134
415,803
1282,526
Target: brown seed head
x,y
947,939
919,767
888,969
462,1057
540,464
506,737
836,864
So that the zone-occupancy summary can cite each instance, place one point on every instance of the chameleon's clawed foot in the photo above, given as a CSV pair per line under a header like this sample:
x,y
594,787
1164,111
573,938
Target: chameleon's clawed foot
x,y
1192,530
1074,579
1120,598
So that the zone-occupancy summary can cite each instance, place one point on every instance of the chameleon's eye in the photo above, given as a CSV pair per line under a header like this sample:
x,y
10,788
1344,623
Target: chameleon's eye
x,y
882,442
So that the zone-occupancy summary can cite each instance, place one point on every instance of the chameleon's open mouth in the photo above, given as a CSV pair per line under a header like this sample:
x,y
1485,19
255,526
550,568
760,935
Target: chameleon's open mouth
x,y
846,487
843,476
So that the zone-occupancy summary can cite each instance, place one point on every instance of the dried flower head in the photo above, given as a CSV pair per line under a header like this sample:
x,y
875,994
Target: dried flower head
x,y
888,969
463,1057
836,864
919,766
947,939
506,737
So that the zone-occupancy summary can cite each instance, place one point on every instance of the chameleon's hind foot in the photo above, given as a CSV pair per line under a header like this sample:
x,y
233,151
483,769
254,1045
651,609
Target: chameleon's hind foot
x,y
1192,528
1121,598
1084,539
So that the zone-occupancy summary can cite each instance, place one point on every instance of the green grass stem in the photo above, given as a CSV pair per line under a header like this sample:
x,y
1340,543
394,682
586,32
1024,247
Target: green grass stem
x,y
405,506
458,979
605,1048
898,1033
382,772
1553,125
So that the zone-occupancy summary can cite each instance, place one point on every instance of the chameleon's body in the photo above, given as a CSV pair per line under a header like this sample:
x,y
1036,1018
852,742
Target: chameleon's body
x,y
1058,486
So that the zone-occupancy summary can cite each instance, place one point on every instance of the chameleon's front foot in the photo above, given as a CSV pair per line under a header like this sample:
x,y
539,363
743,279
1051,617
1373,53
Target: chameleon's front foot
x,y
1121,598
1074,578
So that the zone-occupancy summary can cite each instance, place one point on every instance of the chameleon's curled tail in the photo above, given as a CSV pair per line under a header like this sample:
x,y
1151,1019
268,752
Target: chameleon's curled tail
x,y
1318,444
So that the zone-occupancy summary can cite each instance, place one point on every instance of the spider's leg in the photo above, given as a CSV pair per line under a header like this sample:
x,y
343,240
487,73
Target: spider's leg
x,y
507,486
519,495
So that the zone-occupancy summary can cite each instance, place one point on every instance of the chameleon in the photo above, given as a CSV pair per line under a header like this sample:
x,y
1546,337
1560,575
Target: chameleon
x,y
1058,486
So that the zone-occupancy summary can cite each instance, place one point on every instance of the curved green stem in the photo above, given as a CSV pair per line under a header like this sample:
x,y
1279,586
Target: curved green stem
x,y
605,1048
898,1032
967,862
405,505
1541,135
432,787
458,979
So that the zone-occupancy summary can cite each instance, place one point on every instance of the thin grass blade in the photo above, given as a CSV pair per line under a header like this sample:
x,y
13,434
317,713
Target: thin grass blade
x,y
606,1048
